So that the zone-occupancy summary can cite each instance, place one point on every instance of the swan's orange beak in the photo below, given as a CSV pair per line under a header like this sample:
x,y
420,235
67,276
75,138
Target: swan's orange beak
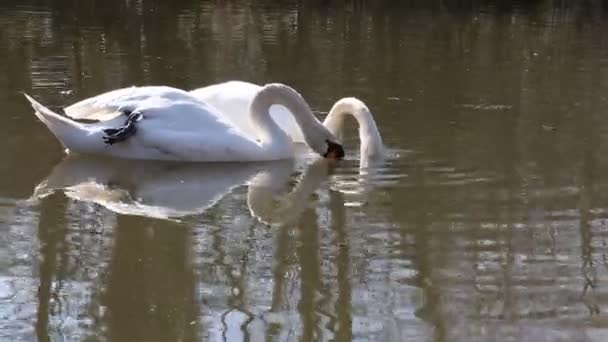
x,y
334,151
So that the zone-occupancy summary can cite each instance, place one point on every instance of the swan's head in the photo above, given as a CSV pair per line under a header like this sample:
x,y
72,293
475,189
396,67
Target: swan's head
x,y
323,142
316,136
334,150
371,141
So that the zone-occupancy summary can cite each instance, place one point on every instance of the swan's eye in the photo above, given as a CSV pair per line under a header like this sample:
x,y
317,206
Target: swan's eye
x,y
334,151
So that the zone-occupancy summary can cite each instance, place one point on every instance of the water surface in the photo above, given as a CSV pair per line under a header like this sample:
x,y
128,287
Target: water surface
x,y
488,223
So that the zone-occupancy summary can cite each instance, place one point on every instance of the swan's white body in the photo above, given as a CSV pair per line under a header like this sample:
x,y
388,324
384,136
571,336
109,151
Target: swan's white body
x,y
232,99
178,126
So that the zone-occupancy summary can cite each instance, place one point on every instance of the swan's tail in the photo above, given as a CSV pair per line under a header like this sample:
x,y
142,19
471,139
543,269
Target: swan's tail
x,y
67,131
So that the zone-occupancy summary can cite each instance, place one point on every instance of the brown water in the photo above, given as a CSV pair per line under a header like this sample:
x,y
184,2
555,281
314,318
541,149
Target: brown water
x,y
488,223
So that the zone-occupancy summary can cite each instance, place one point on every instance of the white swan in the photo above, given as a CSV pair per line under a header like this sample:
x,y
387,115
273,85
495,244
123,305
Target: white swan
x,y
164,123
232,98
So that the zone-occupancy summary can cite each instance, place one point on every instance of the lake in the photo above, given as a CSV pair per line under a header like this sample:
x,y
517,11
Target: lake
x,y
488,221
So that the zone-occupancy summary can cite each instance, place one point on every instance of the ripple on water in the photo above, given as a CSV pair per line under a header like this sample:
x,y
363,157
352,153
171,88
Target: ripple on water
x,y
49,72
18,307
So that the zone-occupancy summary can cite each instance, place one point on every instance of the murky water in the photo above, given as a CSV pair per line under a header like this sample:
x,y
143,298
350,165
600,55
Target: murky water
x,y
488,223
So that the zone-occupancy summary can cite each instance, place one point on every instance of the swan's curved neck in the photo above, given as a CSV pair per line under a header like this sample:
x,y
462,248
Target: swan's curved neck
x,y
371,142
279,94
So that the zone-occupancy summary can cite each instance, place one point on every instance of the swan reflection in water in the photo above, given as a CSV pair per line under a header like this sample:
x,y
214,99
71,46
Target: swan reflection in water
x,y
171,190
268,202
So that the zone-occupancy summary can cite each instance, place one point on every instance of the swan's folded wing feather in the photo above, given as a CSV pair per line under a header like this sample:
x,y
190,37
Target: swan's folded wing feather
x,y
191,130
108,105
200,146
101,107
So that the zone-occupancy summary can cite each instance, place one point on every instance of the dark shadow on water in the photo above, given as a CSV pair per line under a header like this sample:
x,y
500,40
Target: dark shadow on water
x,y
150,291
51,234
343,307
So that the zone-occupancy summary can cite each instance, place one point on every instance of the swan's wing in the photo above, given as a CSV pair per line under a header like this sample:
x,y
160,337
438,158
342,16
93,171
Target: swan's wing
x,y
191,130
233,98
227,92
107,106
186,114
204,146
98,107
